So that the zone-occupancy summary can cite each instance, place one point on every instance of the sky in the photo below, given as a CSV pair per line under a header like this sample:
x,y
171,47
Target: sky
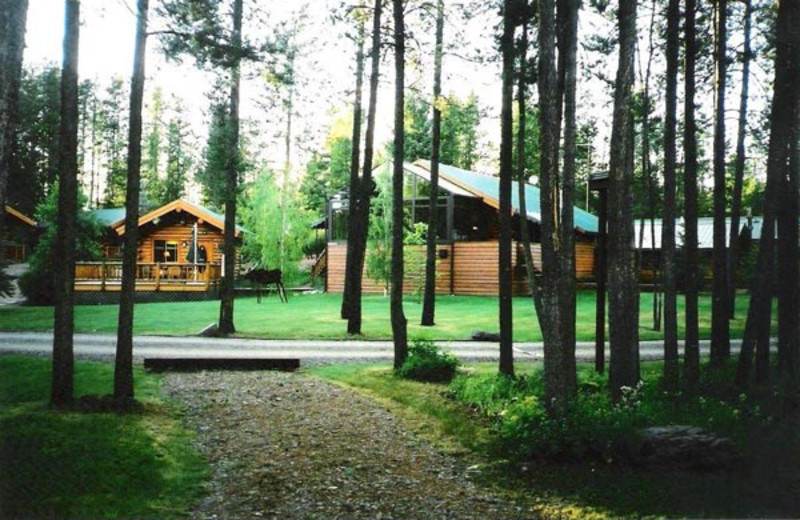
x,y
106,50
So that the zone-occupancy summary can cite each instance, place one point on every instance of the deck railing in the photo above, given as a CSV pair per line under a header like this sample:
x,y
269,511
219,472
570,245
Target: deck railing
x,y
101,276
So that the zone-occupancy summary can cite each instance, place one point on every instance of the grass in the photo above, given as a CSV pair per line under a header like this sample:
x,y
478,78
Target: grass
x,y
60,464
766,484
456,318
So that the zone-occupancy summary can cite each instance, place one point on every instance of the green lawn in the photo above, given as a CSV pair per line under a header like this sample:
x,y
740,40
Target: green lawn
x,y
69,464
316,316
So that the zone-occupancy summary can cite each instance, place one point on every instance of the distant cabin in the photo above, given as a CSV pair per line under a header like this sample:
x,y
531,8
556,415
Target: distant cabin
x,y
467,235
19,236
179,251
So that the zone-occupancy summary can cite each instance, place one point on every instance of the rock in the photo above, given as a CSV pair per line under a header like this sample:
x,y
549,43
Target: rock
x,y
684,447
480,335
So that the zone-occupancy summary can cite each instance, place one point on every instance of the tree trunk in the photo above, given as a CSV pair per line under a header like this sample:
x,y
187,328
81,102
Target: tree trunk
x,y
63,327
566,256
506,170
670,184
398,318
741,157
355,160
123,366
781,170
720,327
623,291
533,284
366,185
13,22
429,300
226,325
691,355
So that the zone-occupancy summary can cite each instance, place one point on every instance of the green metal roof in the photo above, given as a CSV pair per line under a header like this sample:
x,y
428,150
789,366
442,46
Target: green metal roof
x,y
109,216
489,187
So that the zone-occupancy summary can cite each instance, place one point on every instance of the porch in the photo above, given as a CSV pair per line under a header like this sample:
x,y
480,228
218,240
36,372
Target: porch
x,y
155,276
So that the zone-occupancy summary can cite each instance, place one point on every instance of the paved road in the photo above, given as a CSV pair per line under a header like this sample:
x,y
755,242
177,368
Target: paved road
x,y
101,346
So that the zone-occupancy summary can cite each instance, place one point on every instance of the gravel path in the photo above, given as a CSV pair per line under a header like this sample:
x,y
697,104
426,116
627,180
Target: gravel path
x,y
286,446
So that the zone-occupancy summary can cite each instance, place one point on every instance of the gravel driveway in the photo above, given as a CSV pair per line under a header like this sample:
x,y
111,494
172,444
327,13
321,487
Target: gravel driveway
x,y
287,446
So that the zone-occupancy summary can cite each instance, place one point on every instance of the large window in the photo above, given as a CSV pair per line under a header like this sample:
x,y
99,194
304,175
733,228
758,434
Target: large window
x,y
166,251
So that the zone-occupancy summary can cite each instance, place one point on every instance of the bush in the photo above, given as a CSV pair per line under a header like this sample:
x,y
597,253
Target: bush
x,y
427,362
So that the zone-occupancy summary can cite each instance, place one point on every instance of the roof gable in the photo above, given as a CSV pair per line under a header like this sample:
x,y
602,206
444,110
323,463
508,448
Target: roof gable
x,y
487,187
179,205
20,216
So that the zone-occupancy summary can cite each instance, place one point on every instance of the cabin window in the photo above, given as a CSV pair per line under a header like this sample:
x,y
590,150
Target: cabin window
x,y
166,251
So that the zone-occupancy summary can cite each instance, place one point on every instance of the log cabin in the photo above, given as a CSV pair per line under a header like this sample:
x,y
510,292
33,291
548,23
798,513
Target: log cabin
x,y
180,251
467,234
19,236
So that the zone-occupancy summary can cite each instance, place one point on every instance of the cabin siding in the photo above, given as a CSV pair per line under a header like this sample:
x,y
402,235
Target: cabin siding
x,y
468,268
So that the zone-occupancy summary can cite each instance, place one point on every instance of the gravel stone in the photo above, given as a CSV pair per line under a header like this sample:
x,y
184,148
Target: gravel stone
x,y
287,446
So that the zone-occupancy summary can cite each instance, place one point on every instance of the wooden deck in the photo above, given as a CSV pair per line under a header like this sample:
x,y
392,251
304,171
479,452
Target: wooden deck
x,y
172,277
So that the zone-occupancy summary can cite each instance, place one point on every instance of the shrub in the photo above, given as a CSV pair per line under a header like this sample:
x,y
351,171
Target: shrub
x,y
428,362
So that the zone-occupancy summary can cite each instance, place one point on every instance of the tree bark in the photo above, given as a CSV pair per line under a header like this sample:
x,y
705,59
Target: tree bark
x,y
62,388
720,327
13,22
366,187
123,366
355,164
691,355
506,171
741,157
781,169
226,325
429,300
398,318
670,187
623,291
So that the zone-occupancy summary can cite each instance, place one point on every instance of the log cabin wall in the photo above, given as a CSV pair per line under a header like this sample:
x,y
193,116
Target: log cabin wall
x,y
180,233
468,268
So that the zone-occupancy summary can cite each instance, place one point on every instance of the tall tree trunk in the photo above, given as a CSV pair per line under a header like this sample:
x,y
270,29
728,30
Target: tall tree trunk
x,y
429,301
506,171
623,290
741,157
13,22
398,318
781,161
226,325
123,366
720,327
691,354
355,159
62,388
670,186
568,46
533,284
366,187
556,319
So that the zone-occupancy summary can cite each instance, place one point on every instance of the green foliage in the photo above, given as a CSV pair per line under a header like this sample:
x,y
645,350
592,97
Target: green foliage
x,y
38,283
280,227
592,426
114,131
34,166
211,176
99,465
327,174
459,132
427,362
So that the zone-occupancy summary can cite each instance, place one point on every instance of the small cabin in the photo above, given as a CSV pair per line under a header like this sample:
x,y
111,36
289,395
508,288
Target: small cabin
x,y
180,250
467,235
19,236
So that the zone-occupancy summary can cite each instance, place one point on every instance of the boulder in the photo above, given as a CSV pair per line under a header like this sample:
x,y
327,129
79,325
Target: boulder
x,y
683,447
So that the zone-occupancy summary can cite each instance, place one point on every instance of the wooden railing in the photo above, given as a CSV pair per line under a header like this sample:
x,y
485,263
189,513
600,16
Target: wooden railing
x,y
101,276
